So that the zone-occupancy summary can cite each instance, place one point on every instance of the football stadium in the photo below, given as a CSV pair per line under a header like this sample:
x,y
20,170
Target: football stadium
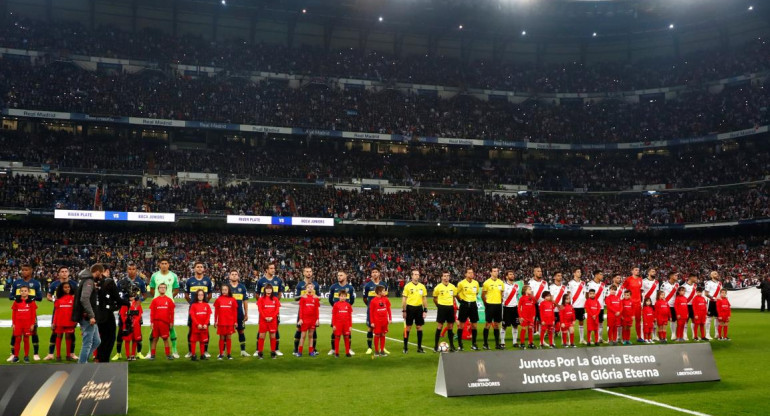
x,y
380,207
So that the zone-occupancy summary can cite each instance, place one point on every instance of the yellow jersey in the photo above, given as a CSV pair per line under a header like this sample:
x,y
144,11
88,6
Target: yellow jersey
x,y
493,290
445,294
467,291
415,293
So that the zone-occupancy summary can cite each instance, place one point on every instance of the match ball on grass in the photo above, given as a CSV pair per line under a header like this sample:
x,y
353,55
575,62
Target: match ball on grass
x,y
443,347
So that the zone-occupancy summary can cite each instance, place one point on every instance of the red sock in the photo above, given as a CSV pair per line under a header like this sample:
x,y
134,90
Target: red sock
x,y
724,331
229,343
272,344
299,350
17,346
221,346
58,346
522,335
260,344
530,334
542,336
310,348
680,329
347,344
192,349
571,338
133,348
168,350
337,344
443,331
550,336
26,345
152,351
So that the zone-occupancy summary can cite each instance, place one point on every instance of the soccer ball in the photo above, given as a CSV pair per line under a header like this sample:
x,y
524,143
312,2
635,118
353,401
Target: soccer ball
x,y
443,347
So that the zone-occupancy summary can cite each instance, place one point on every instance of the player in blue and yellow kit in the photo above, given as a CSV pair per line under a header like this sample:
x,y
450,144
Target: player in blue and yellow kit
x,y
36,293
369,293
299,291
334,297
198,282
125,285
239,293
270,278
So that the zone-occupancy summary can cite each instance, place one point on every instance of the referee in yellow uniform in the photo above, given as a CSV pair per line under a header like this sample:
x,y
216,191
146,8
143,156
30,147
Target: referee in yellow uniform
x,y
444,299
467,292
414,308
492,295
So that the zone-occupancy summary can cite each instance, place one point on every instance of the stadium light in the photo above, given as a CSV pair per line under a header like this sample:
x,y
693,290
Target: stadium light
x,y
224,2
523,33
460,27
671,26
751,8
594,35
380,19
304,11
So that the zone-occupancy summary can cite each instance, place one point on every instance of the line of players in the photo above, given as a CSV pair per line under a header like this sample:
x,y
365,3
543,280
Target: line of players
x,y
540,308
536,307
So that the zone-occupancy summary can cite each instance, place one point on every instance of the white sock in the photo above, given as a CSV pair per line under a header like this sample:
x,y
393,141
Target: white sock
x,y
692,330
673,330
708,327
600,333
582,336
515,335
620,332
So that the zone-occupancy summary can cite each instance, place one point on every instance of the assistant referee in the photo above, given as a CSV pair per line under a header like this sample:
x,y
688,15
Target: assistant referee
x,y
467,293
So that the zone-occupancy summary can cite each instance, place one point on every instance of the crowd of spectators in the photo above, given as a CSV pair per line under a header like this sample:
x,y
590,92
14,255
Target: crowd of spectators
x,y
299,161
236,55
638,209
738,260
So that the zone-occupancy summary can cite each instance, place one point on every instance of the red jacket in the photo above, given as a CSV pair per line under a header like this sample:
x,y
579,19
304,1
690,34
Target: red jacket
x,y
309,309
162,310
342,315
225,311
723,309
137,319
680,307
614,304
593,309
567,315
633,284
268,306
662,312
547,315
648,316
699,309
24,314
62,316
200,314
527,308
627,309
379,310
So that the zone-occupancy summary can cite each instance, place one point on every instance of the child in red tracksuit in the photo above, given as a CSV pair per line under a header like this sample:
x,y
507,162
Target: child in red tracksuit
x,y
662,316
309,307
23,318
547,319
699,313
614,320
627,309
225,317
269,307
648,320
682,313
342,322
527,317
132,326
63,325
593,308
161,319
379,318
723,314
567,322
200,316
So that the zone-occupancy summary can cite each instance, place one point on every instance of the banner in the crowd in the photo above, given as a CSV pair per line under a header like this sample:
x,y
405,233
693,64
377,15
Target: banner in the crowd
x,y
64,389
288,221
69,214
501,372
152,122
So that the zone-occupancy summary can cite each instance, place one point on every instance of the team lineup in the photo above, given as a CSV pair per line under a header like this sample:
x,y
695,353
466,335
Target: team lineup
x,y
110,313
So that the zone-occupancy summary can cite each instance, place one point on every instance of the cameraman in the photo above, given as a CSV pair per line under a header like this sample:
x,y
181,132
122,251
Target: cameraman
x,y
109,302
132,282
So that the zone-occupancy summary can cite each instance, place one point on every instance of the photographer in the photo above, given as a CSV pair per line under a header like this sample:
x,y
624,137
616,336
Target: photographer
x,y
109,302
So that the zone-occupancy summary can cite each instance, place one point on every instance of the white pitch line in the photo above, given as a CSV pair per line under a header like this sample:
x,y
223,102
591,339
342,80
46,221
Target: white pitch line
x,y
392,339
639,399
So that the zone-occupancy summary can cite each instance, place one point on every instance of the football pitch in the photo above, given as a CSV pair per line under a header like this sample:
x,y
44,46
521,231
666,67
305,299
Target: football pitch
x,y
403,384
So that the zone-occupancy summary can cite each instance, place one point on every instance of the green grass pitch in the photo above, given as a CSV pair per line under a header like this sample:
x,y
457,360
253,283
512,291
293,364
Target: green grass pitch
x,y
403,384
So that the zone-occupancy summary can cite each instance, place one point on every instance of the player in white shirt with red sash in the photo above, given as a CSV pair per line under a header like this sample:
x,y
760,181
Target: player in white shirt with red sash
x,y
538,285
558,291
669,289
713,287
597,285
577,289
650,287
689,293
511,294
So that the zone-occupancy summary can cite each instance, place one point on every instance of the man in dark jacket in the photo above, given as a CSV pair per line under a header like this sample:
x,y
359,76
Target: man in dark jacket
x,y
109,302
85,309
764,286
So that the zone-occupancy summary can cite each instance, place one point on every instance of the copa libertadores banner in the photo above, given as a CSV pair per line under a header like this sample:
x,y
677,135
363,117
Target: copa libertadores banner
x,y
61,389
569,369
